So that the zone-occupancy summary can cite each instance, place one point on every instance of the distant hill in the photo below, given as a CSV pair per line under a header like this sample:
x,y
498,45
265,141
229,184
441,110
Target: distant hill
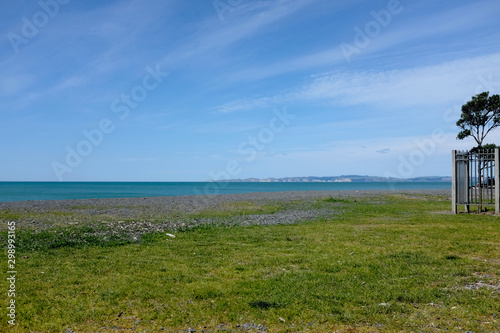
x,y
343,178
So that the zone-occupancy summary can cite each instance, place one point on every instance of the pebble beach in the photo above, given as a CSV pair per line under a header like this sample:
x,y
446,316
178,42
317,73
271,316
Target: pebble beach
x,y
197,202
146,214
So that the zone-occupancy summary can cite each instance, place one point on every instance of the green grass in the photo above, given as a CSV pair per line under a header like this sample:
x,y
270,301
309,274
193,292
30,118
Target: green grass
x,y
238,208
391,263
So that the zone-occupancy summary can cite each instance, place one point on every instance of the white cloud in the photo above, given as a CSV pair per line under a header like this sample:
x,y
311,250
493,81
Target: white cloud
x,y
243,105
400,31
247,20
430,87
419,86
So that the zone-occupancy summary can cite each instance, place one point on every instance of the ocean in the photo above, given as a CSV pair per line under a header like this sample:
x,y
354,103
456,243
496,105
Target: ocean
x,y
23,191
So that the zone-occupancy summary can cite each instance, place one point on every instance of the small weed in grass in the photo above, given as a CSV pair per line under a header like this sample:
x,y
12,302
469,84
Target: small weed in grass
x,y
264,305
335,200
452,257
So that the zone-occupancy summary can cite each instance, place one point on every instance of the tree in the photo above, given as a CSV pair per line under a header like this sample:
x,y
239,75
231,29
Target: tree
x,y
479,117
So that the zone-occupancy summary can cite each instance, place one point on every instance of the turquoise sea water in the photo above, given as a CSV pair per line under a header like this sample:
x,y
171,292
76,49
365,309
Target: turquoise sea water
x,y
22,191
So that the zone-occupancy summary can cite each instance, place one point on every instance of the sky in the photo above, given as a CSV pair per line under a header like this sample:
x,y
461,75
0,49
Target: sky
x,y
175,90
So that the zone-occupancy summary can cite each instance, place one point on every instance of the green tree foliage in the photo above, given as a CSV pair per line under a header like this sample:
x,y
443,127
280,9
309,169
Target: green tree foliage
x,y
479,116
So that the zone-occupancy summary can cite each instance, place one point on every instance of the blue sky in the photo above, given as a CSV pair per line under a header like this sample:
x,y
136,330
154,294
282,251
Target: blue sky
x,y
173,90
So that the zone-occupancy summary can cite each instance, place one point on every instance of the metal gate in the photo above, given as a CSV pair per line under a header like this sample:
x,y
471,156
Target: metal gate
x,y
474,176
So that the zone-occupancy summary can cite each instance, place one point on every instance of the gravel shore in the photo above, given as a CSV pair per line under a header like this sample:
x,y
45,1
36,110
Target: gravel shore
x,y
130,218
199,202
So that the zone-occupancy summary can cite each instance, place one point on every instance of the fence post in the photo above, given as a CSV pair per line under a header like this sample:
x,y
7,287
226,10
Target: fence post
x,y
467,184
497,178
454,181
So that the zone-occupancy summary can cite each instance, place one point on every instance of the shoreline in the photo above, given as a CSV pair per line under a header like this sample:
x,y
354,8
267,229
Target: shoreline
x,y
128,219
205,201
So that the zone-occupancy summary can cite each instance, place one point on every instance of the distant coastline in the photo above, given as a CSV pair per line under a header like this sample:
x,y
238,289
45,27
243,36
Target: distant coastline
x,y
339,179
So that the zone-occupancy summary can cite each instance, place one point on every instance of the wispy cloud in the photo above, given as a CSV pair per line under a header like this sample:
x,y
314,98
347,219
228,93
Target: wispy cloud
x,y
246,104
417,86
435,26
399,32
426,86
92,41
247,20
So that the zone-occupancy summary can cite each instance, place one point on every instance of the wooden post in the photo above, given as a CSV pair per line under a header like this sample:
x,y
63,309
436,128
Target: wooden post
x,y
454,181
497,178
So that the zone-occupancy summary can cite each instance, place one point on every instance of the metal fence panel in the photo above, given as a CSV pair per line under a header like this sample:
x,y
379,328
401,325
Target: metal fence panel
x,y
474,177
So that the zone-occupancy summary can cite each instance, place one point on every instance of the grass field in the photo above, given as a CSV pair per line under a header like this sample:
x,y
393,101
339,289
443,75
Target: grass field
x,y
380,264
